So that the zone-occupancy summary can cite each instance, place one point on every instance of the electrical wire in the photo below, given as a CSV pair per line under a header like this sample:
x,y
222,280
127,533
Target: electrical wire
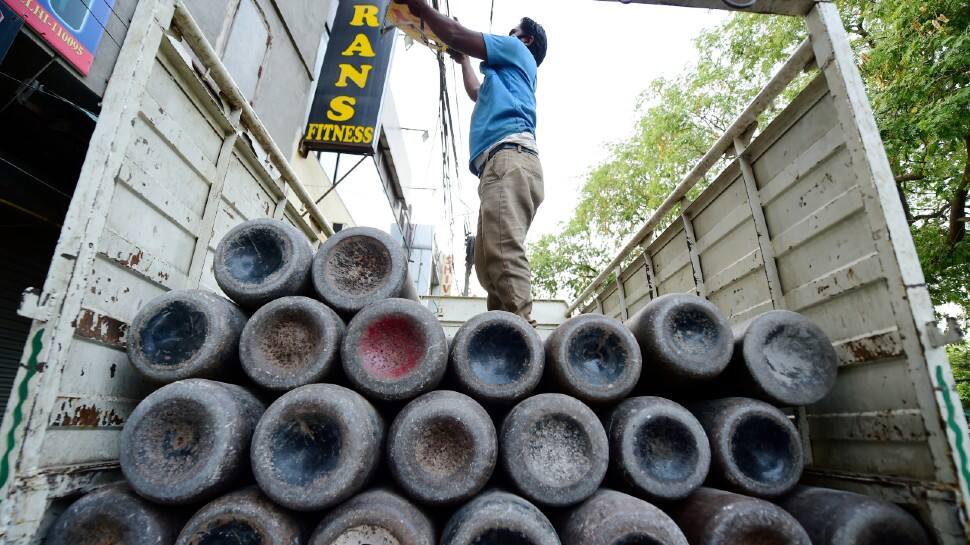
x,y
457,102
87,5
41,89
36,179
448,196
27,211
448,153
434,137
100,23
115,13
444,135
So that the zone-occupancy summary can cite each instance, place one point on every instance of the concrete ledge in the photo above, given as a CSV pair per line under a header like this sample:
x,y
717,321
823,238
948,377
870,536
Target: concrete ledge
x,y
452,312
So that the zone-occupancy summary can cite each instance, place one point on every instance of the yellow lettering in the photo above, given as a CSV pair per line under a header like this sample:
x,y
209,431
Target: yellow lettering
x,y
347,134
347,71
361,46
365,14
341,108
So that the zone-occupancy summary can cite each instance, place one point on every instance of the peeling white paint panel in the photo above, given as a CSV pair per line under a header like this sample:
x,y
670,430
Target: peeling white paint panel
x,y
166,176
806,218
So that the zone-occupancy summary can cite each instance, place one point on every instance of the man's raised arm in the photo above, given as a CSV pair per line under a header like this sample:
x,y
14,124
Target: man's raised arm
x,y
468,77
450,31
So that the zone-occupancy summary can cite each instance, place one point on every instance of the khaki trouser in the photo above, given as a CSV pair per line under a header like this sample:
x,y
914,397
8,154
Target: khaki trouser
x,y
510,191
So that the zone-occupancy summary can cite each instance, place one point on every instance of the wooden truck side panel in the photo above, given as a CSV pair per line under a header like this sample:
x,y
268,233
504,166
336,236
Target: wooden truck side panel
x,y
173,164
806,217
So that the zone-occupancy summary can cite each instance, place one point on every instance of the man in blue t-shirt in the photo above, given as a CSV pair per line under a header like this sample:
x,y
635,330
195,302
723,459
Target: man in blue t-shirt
x,y
504,154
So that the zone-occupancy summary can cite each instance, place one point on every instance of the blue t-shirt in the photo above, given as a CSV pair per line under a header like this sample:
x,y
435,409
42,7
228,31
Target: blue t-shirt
x,y
507,99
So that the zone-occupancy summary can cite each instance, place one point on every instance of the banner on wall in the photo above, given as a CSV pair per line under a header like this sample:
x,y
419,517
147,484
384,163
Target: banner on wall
x,y
72,27
10,24
346,111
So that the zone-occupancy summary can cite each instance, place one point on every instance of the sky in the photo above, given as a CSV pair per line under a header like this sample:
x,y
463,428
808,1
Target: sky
x,y
601,57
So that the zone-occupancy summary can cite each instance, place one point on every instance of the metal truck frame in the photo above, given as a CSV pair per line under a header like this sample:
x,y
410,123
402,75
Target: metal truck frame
x,y
806,217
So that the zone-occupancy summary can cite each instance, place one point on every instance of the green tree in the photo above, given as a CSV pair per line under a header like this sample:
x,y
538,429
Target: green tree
x,y
960,362
914,57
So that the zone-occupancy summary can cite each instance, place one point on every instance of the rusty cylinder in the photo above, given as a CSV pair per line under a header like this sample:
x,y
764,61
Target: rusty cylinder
x,y
114,514
261,260
360,266
657,448
594,358
442,448
684,339
189,441
291,342
316,446
716,517
185,334
497,358
554,449
836,517
394,350
610,518
376,517
499,518
755,449
244,517
783,358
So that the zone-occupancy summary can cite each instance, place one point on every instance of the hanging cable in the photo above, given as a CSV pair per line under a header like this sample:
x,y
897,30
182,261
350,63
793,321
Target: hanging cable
x,y
41,89
113,11
36,179
447,152
434,137
101,24
457,102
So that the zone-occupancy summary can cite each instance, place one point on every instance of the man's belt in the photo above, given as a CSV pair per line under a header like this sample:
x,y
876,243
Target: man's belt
x,y
510,145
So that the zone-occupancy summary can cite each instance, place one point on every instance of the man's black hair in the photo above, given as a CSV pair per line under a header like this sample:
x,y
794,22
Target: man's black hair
x,y
534,29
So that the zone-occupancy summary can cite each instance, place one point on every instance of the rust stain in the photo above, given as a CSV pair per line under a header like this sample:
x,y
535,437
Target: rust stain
x,y
101,328
89,416
134,259
871,348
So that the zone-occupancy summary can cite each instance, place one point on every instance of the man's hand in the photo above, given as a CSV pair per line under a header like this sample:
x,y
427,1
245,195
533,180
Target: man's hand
x,y
452,33
457,56
417,7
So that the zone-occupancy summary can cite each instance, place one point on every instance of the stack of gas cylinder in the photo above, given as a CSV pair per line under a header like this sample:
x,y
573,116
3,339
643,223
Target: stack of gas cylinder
x,y
322,403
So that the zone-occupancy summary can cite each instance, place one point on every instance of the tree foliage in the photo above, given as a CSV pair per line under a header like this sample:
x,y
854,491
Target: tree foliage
x,y
914,58
960,363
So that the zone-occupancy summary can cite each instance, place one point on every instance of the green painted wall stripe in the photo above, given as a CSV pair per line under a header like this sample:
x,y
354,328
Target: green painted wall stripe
x,y
951,421
18,411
